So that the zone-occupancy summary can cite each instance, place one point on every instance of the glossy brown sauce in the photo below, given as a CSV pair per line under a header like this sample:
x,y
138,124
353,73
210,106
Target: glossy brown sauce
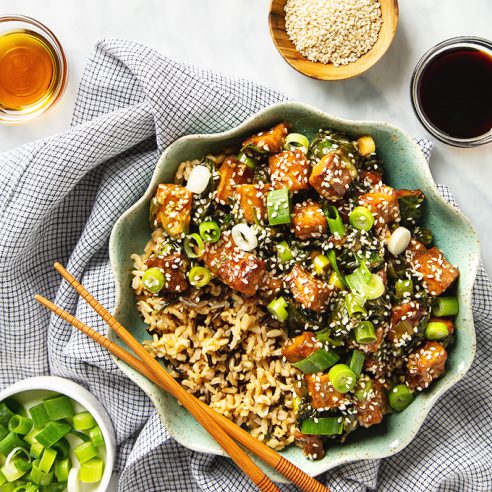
x,y
455,92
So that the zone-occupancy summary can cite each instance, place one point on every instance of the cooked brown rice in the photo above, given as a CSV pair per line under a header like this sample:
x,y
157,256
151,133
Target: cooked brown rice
x,y
224,349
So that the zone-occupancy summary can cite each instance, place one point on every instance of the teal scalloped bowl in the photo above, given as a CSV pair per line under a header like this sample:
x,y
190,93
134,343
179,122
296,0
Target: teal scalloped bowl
x,y
405,167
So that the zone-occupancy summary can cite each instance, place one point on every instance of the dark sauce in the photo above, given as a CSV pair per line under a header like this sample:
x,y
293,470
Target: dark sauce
x,y
455,92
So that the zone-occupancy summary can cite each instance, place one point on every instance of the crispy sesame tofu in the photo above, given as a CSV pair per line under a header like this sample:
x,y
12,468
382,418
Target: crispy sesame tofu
x,y
311,445
405,318
436,272
174,208
240,270
425,364
268,142
372,410
251,199
323,394
366,145
173,267
311,292
270,286
308,220
232,173
331,176
289,169
371,178
300,347
383,203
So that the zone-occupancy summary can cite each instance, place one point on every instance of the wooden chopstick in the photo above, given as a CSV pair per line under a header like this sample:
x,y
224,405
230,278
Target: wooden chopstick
x,y
266,454
237,454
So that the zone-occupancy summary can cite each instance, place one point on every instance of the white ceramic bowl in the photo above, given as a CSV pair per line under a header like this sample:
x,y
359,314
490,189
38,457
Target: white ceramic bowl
x,y
32,388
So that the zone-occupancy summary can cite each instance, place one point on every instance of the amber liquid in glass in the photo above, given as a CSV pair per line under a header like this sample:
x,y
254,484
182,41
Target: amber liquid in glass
x,y
29,71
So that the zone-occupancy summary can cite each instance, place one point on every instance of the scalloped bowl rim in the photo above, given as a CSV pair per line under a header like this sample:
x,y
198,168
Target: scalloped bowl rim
x,y
422,170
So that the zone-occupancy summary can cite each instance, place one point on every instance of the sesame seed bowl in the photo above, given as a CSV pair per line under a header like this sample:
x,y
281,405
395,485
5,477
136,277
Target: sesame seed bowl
x,y
404,167
335,45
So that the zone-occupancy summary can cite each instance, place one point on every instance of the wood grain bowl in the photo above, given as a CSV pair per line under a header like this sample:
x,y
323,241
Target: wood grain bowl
x,y
321,71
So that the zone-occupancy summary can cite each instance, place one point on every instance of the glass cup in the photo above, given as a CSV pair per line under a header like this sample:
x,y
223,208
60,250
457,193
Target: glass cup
x,y
19,34
462,42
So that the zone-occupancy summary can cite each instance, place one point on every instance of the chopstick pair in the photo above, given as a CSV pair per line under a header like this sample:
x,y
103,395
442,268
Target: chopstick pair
x,y
222,429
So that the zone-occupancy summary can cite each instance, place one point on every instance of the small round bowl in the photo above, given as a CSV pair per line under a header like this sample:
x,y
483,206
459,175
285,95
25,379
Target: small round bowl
x,y
9,24
447,45
32,389
328,71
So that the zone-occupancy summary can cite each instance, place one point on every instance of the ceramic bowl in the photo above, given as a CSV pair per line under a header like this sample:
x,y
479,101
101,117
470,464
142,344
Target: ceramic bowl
x,y
405,167
31,390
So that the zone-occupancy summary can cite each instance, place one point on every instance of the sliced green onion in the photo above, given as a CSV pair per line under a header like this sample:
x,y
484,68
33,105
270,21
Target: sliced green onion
x,y
36,450
5,414
153,280
355,304
39,416
96,436
62,469
209,231
92,471
334,265
319,361
445,306
11,441
15,406
199,276
85,451
357,362
3,431
193,250
278,207
325,426
364,283
336,281
400,397
296,141
40,477
47,460
15,469
80,435
59,407
334,221
20,425
62,447
361,218
83,421
278,309
284,252
249,161
325,337
436,330
321,263
403,288
52,433
2,479
342,378
362,392
365,333
30,436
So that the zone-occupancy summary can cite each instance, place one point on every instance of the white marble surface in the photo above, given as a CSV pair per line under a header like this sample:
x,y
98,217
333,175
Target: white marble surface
x,y
231,36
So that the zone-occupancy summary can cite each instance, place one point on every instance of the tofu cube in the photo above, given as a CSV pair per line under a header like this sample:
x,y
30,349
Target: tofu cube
x,y
173,208
289,169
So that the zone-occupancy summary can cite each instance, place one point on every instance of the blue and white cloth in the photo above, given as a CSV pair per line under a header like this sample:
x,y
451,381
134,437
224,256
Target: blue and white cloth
x,y
59,199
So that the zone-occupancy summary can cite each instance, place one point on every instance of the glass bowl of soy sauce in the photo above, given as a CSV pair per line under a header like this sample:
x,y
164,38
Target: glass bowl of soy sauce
x,y
451,91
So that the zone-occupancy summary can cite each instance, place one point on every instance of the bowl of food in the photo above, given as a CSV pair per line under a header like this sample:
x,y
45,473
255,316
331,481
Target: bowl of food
x,y
302,275
332,39
55,434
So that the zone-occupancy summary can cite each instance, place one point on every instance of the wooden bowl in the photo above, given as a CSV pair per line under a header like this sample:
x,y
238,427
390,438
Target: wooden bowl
x,y
322,71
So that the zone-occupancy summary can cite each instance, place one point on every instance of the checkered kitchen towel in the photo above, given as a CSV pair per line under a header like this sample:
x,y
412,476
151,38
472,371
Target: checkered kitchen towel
x,y
59,199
